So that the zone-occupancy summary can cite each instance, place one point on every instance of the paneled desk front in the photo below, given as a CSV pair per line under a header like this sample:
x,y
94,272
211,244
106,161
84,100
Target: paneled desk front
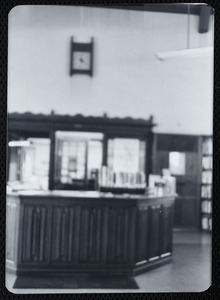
x,y
87,232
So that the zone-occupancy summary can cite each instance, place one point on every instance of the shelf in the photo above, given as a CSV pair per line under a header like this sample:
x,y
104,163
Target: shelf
x,y
206,187
121,190
207,230
206,214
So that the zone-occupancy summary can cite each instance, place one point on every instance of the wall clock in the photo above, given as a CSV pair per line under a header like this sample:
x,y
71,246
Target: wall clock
x,y
81,58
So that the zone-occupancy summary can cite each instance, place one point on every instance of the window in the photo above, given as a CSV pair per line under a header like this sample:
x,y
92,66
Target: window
x,y
177,163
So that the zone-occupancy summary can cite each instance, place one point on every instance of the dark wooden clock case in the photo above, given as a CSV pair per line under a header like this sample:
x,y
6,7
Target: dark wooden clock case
x,y
81,47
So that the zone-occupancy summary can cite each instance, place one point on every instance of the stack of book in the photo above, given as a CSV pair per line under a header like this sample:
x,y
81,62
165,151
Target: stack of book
x,y
124,181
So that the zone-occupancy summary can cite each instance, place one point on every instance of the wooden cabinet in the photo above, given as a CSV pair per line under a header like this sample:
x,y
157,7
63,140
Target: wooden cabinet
x,y
66,233
187,204
153,234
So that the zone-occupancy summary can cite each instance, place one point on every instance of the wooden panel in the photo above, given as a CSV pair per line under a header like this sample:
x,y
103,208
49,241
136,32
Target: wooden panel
x,y
188,212
154,231
90,248
178,212
119,226
166,229
191,163
179,143
186,186
162,161
142,236
62,234
185,212
34,234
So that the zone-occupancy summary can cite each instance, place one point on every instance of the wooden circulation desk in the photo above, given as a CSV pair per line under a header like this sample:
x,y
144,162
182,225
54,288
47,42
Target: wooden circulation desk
x,y
87,232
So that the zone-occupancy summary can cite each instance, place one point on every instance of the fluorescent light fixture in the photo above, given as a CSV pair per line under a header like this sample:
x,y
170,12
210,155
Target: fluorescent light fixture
x,y
188,51
192,52
19,144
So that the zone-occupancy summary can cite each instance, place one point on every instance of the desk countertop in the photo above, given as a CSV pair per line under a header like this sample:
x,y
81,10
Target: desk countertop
x,y
84,194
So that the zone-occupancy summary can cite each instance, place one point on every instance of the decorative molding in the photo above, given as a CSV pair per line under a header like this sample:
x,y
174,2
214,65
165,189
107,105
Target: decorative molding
x,y
28,116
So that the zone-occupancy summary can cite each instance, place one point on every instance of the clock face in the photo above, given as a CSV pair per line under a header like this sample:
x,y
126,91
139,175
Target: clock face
x,y
81,60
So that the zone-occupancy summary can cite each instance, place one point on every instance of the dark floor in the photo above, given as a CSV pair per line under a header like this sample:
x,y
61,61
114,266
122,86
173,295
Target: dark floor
x,y
189,271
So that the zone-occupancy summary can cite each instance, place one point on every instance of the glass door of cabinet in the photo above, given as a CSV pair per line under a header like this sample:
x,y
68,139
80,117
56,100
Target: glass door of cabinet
x,y
126,163
78,156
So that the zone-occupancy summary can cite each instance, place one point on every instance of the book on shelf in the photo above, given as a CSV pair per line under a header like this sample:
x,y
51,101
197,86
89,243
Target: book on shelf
x,y
207,206
207,162
207,177
206,223
132,180
206,191
207,146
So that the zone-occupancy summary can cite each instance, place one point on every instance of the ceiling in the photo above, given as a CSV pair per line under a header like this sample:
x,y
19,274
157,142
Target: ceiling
x,y
202,10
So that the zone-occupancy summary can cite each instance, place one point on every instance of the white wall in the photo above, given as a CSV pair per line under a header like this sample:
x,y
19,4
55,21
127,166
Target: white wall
x,y
128,78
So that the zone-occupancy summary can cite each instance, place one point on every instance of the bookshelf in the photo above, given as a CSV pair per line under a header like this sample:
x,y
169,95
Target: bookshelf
x,y
206,184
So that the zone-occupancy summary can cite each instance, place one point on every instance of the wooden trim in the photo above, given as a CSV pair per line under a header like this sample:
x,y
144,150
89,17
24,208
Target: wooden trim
x,y
204,18
105,151
149,158
52,160
71,56
152,265
92,56
55,119
86,164
8,156
154,154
